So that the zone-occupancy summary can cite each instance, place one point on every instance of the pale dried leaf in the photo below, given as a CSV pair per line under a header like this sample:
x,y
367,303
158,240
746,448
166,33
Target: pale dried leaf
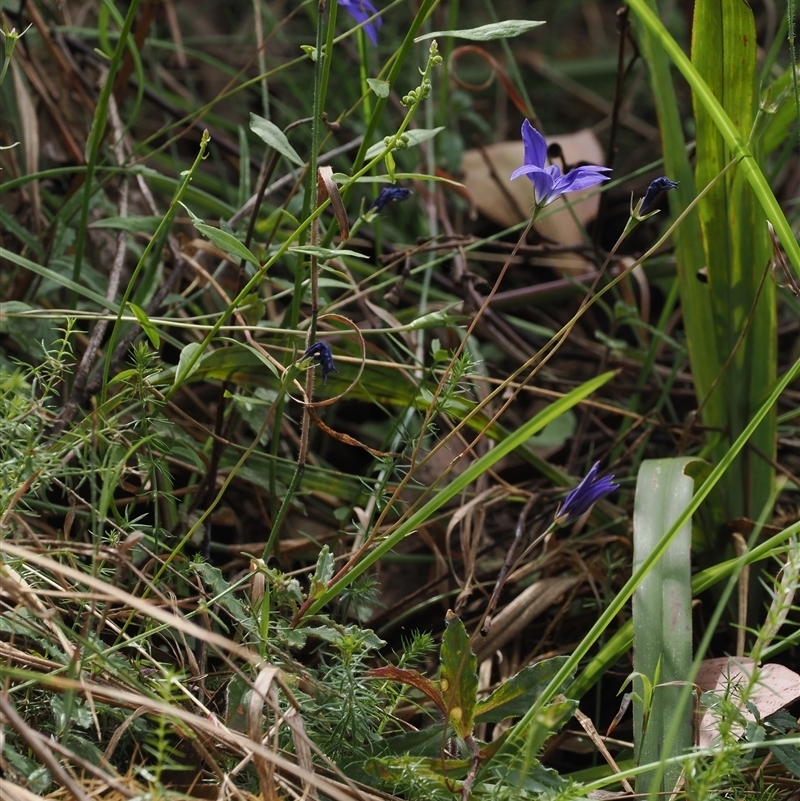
x,y
486,183
775,688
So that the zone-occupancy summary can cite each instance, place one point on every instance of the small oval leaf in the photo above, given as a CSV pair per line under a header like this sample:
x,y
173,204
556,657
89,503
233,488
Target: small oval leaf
x,y
274,137
227,242
186,366
381,88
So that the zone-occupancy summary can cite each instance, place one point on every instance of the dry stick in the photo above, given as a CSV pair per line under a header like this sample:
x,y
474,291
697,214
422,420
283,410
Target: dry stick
x,y
77,396
503,574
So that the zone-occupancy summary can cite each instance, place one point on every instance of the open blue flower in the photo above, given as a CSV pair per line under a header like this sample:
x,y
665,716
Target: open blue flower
x,y
360,11
548,182
585,495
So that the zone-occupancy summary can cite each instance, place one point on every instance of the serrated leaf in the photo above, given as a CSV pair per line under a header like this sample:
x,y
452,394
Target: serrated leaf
x,y
413,137
486,33
381,88
144,321
325,253
459,676
788,757
324,572
223,595
39,781
184,369
227,242
516,696
275,138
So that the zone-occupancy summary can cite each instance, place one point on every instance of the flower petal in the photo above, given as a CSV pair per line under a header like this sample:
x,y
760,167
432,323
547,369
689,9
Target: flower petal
x,y
582,178
361,10
535,146
585,495
545,183
544,180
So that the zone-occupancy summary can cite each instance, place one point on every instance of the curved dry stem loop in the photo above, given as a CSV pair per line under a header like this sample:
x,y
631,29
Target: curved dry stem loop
x,y
353,384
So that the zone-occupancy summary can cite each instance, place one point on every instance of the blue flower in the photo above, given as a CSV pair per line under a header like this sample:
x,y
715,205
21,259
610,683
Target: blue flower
x,y
388,194
548,182
659,185
361,11
321,352
585,495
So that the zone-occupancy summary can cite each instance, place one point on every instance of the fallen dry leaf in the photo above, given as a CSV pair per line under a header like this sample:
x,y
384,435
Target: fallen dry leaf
x,y
775,688
486,176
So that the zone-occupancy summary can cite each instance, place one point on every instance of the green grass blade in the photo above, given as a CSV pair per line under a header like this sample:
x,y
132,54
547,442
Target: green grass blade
x,y
737,251
733,139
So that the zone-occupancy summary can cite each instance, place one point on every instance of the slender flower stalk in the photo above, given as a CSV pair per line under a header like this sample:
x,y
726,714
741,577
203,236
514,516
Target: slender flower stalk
x,y
549,183
641,211
361,11
590,490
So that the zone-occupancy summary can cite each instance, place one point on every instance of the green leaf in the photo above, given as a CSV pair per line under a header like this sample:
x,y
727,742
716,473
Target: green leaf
x,y
344,178
516,696
323,574
412,138
662,616
459,676
135,225
57,278
381,88
223,595
275,138
555,433
486,33
389,161
146,324
326,253
227,242
788,757
185,368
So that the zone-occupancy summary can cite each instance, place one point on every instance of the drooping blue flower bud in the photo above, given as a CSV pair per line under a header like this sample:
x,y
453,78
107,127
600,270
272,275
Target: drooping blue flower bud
x,y
657,186
321,352
387,195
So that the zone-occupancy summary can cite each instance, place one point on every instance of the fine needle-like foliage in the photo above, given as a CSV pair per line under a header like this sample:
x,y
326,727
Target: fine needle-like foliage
x,y
399,400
